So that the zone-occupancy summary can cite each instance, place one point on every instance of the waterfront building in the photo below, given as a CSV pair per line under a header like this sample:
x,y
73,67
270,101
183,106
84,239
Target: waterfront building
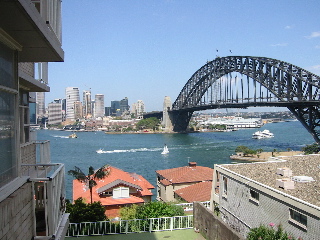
x,y
78,113
169,181
87,107
285,192
117,190
138,109
72,96
234,122
55,113
99,106
32,191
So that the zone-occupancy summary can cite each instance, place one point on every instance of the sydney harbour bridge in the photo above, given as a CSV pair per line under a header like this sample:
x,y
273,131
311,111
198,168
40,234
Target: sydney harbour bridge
x,y
245,81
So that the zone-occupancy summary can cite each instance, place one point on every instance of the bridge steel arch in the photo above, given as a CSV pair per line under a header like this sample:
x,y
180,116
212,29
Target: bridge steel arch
x,y
290,86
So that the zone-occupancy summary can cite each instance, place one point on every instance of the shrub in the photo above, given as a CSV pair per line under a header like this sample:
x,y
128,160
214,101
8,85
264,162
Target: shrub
x,y
269,233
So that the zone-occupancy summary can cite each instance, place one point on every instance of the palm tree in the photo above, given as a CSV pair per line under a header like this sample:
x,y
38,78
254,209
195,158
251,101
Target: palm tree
x,y
92,176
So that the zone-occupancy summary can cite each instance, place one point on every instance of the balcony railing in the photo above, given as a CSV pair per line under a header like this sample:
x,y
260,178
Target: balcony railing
x,y
49,197
189,206
35,152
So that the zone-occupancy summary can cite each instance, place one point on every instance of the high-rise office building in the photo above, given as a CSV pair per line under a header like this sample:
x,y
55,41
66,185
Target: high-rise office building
x,y
40,104
99,106
124,106
87,106
115,108
72,96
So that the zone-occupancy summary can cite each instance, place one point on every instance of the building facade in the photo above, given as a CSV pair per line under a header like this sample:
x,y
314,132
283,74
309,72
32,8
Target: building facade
x,y
32,203
282,192
55,113
99,106
87,108
138,109
72,96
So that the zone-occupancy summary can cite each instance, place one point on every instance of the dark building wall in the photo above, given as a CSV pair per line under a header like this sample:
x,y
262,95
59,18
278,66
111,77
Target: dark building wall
x,y
210,226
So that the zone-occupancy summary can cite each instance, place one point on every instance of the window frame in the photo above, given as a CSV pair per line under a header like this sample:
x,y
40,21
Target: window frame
x,y
254,196
295,217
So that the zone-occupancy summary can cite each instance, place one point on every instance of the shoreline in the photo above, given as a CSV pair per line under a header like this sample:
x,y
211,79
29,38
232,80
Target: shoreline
x,y
264,156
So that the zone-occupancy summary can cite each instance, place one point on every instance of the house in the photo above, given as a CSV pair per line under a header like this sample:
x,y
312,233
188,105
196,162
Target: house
x,y
32,190
283,192
169,181
198,192
118,189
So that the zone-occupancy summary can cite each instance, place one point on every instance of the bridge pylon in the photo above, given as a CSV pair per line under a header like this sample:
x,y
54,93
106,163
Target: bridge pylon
x,y
166,118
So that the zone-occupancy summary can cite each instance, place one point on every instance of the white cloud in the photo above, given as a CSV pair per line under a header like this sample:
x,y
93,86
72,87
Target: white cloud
x,y
313,35
289,26
279,45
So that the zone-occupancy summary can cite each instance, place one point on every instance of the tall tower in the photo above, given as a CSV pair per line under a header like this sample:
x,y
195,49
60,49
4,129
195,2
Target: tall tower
x,y
72,96
40,104
124,106
87,107
138,109
166,121
99,106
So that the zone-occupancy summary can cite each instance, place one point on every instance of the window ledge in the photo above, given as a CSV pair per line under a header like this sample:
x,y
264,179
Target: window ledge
x,y
11,187
254,201
297,224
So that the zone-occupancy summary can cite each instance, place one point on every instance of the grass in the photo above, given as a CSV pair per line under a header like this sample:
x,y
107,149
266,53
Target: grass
x,y
187,234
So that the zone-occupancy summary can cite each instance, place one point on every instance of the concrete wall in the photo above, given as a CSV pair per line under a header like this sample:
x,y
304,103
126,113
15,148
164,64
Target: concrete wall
x,y
210,226
16,218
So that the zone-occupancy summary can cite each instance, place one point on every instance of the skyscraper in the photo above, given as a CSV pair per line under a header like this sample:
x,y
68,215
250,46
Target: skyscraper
x,y
87,107
40,104
72,96
115,108
99,106
138,109
55,112
124,106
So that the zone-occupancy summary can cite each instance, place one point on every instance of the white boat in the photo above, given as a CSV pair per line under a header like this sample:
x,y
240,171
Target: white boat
x,y
100,151
165,150
73,135
262,134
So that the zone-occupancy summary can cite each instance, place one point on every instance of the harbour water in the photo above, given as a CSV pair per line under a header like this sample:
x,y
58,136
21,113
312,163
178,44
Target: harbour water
x,y
141,153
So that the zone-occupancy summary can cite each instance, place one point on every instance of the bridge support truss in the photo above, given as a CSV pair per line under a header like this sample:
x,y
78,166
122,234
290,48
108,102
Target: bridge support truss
x,y
266,82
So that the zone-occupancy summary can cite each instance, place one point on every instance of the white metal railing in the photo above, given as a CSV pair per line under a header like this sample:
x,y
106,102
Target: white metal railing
x,y
49,191
130,226
43,151
189,206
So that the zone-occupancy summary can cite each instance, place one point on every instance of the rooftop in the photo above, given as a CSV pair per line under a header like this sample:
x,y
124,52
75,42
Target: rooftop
x,y
186,174
302,165
116,177
200,192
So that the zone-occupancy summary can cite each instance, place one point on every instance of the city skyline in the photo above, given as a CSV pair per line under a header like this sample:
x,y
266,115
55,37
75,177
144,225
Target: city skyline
x,y
149,50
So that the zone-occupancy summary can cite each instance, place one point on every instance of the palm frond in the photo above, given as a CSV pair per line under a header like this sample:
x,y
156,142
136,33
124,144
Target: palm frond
x,y
78,174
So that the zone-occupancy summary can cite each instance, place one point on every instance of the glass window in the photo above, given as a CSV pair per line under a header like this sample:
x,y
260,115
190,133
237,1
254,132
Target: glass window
x,y
225,186
8,118
254,196
298,217
8,165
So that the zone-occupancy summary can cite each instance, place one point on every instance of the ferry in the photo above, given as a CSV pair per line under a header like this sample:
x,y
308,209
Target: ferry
x,y
262,134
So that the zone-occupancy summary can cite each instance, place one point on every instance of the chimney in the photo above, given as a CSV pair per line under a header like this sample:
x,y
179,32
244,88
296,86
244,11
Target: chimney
x,y
192,164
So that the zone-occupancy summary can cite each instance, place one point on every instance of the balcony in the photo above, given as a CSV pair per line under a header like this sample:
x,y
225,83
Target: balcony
x,y
35,152
49,199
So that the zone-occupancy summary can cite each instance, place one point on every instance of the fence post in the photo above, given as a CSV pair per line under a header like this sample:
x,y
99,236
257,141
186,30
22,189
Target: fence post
x,y
171,223
150,225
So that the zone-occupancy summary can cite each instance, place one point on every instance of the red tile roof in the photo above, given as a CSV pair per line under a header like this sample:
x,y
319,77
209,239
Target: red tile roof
x,y
196,192
116,175
187,174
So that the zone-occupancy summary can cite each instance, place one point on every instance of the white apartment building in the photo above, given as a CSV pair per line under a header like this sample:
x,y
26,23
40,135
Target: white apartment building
x,y
281,192
54,113
32,190
72,96
99,106
138,109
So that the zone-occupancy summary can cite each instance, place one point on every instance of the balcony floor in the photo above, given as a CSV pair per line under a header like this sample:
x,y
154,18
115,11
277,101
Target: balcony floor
x,y
188,234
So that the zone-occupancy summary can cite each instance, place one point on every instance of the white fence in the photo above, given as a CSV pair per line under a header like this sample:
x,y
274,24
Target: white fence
x,y
130,226
189,206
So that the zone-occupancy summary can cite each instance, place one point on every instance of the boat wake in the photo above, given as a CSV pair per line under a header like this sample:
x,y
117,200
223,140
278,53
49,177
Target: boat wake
x,y
129,150
58,136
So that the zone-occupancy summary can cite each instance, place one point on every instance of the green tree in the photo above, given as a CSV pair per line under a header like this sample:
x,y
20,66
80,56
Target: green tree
x,y
127,213
148,123
90,179
158,209
82,212
310,149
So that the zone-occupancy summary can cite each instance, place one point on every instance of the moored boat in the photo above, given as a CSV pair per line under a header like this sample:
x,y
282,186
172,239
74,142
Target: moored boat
x,y
262,134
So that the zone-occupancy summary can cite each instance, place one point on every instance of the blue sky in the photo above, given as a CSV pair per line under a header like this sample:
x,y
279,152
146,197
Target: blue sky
x,y
148,49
